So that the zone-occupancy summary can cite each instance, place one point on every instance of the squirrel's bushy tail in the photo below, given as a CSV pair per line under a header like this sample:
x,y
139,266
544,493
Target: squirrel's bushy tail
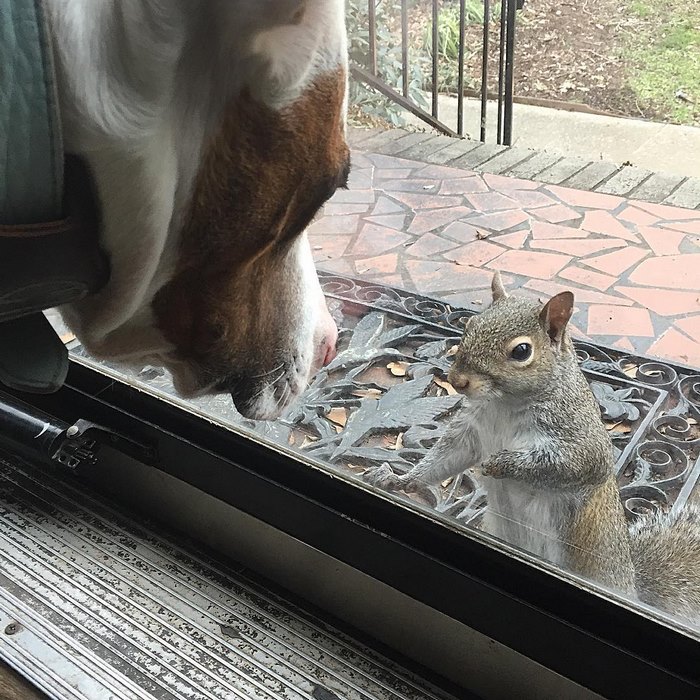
x,y
666,555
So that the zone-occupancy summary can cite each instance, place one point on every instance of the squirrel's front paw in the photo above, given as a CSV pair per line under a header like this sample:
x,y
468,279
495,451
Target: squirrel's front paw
x,y
383,477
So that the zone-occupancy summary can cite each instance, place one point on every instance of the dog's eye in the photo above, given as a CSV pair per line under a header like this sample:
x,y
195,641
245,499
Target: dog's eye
x,y
521,352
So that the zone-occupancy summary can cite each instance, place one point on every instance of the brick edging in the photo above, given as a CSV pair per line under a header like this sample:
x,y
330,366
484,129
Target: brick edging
x,y
543,166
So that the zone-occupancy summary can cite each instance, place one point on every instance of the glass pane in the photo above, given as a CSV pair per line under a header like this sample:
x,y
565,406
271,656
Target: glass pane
x,y
407,255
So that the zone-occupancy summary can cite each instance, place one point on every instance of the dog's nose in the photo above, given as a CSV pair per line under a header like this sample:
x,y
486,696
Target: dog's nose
x,y
328,351
459,380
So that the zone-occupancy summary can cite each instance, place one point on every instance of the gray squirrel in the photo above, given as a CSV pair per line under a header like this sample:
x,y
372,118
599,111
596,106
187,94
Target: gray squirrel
x,y
531,428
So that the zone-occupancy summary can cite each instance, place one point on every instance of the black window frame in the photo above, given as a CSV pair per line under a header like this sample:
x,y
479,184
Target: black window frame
x,y
609,648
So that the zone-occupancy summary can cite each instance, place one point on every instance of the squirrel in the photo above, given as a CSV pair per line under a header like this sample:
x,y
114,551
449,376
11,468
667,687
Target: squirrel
x,y
532,429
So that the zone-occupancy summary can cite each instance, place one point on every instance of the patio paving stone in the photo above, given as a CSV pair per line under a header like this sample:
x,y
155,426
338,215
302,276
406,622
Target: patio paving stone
x,y
439,230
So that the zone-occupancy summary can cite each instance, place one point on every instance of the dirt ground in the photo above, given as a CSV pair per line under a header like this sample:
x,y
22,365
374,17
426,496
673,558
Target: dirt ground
x,y
636,58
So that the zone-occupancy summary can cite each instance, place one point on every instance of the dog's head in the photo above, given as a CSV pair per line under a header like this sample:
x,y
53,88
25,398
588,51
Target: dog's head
x,y
205,215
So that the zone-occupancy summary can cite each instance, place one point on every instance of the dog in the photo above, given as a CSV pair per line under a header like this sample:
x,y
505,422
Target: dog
x,y
214,131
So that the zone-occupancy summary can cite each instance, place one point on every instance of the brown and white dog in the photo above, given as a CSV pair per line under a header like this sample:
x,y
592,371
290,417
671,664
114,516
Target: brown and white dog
x,y
215,131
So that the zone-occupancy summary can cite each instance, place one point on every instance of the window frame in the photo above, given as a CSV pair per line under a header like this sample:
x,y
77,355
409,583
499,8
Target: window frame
x,y
608,648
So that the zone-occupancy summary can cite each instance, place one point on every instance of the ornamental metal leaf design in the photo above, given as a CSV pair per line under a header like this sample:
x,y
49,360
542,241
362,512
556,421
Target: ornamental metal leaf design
x,y
403,406
618,403
371,340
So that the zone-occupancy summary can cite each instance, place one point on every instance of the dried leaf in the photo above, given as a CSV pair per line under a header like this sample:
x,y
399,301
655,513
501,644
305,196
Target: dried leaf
x,y
691,421
447,482
399,442
630,370
452,351
357,468
398,369
367,393
291,440
67,337
451,391
481,235
618,427
307,441
339,416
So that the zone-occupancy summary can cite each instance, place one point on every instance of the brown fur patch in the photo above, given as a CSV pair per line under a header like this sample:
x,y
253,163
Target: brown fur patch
x,y
262,180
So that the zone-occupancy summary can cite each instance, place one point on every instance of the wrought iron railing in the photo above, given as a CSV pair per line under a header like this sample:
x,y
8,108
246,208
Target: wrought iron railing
x,y
368,68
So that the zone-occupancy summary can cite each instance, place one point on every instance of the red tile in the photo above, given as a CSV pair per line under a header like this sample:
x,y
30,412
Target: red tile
x,y
500,221
410,185
674,271
530,199
385,264
385,206
429,244
530,264
541,230
617,262
360,178
690,326
491,201
444,172
425,221
502,183
590,200
685,226
327,247
391,173
584,296
665,302
425,201
374,240
624,344
578,334
588,278
606,224
341,208
637,216
577,247
676,347
341,266
463,185
619,320
396,221
335,224
461,232
475,254
557,213
392,280
661,241
354,196
429,277
668,213
512,240
391,162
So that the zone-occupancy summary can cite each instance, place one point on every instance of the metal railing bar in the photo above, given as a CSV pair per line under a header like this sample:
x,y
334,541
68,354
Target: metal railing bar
x,y
501,65
436,47
510,51
404,45
460,77
485,69
372,37
379,85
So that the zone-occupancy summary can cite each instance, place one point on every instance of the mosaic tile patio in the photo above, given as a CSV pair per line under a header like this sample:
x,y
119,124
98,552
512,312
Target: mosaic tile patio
x,y
441,231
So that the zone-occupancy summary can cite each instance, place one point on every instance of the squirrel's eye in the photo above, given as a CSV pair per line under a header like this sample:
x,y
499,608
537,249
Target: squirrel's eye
x,y
521,352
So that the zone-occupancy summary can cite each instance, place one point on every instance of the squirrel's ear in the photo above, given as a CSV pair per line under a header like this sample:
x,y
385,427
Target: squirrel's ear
x,y
497,289
556,314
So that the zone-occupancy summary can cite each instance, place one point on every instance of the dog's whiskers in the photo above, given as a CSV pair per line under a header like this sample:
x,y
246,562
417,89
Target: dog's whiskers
x,y
266,374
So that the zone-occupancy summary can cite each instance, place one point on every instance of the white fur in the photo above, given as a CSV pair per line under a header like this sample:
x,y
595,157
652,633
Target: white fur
x,y
142,85
517,513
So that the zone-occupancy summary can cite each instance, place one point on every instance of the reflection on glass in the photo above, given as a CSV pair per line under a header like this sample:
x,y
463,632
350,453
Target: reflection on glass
x,y
377,410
